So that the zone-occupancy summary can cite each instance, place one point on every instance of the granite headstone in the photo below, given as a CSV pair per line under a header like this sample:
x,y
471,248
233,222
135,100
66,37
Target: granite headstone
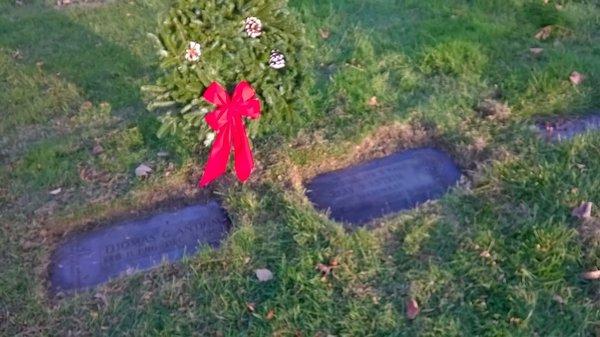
x,y
382,186
96,256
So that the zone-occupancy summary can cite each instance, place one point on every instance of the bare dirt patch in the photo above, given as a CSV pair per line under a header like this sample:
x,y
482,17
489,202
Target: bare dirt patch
x,y
385,140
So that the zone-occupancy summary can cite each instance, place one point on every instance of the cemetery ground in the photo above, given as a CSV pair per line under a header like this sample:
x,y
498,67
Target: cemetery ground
x,y
499,255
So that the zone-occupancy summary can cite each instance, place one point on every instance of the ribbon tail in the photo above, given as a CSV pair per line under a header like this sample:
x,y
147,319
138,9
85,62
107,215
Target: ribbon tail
x,y
244,163
216,165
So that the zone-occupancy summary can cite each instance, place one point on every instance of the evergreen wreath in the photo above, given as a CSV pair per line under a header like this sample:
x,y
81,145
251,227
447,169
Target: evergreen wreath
x,y
201,41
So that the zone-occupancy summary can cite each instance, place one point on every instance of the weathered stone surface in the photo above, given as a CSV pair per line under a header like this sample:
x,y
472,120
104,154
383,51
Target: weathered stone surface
x,y
94,257
567,129
382,186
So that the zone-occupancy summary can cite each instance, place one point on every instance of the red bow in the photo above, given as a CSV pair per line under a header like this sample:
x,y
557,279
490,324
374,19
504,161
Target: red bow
x,y
227,121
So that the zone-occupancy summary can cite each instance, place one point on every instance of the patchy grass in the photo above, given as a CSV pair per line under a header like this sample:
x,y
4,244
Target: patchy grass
x,y
498,256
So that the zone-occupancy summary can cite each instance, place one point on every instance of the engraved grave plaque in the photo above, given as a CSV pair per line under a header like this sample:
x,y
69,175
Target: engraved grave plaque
x,y
94,257
382,186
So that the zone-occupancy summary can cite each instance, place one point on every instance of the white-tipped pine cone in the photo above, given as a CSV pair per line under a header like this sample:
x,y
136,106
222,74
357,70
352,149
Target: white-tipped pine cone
x,y
193,52
277,59
253,27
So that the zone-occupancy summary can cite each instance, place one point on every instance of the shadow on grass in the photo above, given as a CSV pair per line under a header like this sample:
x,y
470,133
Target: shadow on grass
x,y
103,70
59,42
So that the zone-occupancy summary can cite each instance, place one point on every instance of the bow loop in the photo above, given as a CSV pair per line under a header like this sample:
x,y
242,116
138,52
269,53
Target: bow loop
x,y
245,99
216,94
243,92
216,119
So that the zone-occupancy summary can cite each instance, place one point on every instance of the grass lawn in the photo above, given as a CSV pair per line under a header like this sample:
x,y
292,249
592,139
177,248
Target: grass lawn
x,y
500,255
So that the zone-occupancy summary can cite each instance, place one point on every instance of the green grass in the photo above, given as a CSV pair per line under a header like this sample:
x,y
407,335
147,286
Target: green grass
x,y
488,259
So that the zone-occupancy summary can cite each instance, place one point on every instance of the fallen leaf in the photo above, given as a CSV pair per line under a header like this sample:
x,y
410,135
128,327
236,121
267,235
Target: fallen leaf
x,y
576,78
486,254
143,170
97,149
251,306
412,308
56,191
373,101
86,106
324,269
543,33
325,33
583,212
163,154
559,299
270,314
591,275
264,275
17,55
536,51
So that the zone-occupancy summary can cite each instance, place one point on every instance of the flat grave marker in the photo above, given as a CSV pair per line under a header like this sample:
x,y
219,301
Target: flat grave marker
x,y
400,181
94,257
567,129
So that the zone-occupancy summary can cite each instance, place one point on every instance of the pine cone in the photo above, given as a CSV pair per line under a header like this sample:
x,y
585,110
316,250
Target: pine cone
x,y
277,59
193,52
253,27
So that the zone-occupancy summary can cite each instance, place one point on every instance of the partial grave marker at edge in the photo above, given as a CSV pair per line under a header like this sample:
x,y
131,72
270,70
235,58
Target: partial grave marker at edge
x,y
566,129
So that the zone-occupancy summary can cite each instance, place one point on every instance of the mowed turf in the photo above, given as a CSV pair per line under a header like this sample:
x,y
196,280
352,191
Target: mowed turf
x,y
500,255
